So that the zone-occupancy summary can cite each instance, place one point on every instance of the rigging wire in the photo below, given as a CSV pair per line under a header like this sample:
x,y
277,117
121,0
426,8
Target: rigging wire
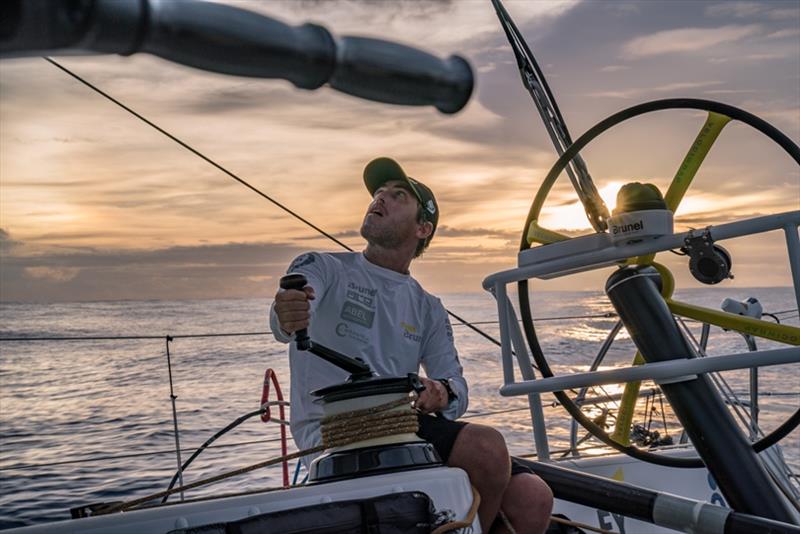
x,y
265,333
134,337
534,81
208,445
237,178
236,422
89,459
196,152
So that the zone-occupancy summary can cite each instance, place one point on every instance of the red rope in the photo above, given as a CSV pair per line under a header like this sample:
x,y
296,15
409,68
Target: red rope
x,y
270,376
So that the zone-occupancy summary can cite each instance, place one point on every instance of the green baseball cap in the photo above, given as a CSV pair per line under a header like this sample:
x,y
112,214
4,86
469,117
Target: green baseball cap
x,y
382,170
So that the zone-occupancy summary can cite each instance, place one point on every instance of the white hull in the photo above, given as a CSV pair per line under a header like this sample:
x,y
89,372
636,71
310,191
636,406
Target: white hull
x,y
448,488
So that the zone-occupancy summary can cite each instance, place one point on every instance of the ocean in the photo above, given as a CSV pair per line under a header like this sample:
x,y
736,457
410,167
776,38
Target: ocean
x,y
84,421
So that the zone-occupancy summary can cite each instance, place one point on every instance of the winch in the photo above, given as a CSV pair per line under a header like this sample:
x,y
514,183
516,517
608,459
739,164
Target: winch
x,y
641,213
364,406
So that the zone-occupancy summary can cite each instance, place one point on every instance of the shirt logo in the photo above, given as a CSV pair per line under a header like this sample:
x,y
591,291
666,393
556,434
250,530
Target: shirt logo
x,y
341,329
359,306
410,332
344,330
362,298
300,261
357,314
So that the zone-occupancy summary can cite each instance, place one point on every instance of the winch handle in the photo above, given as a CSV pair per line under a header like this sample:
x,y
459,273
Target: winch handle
x,y
297,281
229,40
357,368
384,71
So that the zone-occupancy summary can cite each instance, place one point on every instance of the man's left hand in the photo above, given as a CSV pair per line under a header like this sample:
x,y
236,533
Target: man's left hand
x,y
433,398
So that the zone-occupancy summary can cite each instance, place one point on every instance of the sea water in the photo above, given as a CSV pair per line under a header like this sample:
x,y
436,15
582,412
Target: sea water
x,y
84,421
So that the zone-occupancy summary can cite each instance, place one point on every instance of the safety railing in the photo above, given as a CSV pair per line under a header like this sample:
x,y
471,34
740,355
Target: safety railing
x,y
597,251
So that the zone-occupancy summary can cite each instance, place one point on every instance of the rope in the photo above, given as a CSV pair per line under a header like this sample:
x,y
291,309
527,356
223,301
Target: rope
x,y
268,332
196,152
494,340
605,315
473,328
135,502
468,520
506,523
131,455
334,441
375,426
112,338
369,423
556,519
237,444
239,420
219,496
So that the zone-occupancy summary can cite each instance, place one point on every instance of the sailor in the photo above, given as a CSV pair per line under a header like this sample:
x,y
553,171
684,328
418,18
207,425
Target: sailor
x,y
367,305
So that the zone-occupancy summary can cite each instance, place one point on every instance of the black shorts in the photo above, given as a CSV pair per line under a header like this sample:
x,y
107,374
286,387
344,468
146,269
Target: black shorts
x,y
442,433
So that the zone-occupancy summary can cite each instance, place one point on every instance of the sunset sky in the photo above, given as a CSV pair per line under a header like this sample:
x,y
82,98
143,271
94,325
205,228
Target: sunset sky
x,y
96,205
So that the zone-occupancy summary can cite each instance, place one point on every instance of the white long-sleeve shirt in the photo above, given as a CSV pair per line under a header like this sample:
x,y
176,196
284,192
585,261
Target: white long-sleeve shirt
x,y
369,312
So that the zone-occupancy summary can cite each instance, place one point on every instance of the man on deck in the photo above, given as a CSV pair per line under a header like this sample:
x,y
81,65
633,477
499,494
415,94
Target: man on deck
x,y
367,305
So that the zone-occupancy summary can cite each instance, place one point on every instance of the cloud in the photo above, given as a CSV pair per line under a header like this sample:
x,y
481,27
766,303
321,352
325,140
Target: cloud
x,y
81,180
447,231
748,57
49,273
784,34
783,115
685,40
791,14
635,92
769,10
614,68
623,8
699,220
439,24
735,9
730,91
6,243
204,271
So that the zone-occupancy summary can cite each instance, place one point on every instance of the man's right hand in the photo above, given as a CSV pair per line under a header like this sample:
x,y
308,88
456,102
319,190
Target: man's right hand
x,y
292,308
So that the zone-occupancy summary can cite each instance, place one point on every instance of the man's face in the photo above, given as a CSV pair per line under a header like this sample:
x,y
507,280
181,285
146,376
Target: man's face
x,y
391,217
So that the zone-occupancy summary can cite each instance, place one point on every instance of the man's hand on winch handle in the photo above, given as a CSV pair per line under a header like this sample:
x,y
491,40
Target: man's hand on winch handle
x,y
433,398
292,308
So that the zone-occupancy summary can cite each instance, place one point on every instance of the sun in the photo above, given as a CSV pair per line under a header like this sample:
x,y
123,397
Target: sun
x,y
572,216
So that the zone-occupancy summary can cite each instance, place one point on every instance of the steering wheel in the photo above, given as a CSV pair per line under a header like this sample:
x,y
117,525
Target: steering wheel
x,y
727,112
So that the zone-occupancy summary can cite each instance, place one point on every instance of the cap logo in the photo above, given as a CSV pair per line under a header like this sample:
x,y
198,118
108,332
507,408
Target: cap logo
x,y
430,206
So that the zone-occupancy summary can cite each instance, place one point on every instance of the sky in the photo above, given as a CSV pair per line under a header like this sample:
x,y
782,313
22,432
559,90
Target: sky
x,y
95,205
